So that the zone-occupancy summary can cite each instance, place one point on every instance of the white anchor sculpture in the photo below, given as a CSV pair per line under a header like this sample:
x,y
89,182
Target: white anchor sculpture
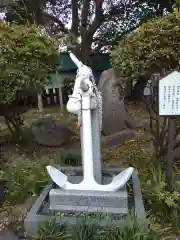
x,y
82,101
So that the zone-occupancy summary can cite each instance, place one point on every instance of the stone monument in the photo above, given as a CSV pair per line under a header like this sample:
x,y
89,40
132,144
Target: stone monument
x,y
114,116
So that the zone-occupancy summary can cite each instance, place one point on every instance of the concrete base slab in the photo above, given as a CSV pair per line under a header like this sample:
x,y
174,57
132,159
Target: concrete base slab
x,y
41,210
8,235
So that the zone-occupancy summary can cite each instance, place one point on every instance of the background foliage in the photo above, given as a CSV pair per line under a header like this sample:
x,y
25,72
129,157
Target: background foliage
x,y
99,23
26,59
152,47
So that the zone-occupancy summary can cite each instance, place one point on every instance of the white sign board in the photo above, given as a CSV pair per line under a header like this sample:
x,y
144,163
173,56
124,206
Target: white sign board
x,y
169,95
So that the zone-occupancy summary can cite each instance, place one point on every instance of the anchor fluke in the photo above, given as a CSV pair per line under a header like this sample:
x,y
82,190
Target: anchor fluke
x,y
57,176
121,179
117,183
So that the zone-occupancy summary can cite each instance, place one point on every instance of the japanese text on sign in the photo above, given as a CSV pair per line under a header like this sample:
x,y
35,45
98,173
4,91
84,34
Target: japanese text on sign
x,y
169,95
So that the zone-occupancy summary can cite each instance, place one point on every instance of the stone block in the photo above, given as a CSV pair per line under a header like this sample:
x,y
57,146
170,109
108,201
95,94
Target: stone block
x,y
88,201
8,235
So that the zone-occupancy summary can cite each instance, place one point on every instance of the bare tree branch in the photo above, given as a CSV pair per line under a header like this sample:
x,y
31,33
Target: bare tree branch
x,y
55,19
98,19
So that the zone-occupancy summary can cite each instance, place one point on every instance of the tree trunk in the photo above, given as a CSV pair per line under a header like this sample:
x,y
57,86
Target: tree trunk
x,y
85,52
86,32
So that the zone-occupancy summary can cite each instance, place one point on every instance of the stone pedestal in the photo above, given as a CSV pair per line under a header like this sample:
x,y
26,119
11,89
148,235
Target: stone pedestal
x,y
88,201
68,207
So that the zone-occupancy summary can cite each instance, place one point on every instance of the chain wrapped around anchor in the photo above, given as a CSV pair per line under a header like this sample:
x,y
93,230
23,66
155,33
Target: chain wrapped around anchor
x,y
84,74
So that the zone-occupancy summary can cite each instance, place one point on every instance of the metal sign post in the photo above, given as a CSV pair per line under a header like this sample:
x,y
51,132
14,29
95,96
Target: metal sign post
x,y
169,106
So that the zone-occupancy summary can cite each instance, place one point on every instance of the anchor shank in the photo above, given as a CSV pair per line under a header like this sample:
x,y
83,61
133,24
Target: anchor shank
x,y
96,145
87,140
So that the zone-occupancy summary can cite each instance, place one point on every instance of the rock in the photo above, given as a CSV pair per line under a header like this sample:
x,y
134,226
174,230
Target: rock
x,y
8,235
113,140
48,133
130,122
178,138
117,139
115,117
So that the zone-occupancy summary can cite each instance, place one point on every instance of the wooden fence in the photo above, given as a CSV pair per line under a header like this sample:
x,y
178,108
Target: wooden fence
x,y
52,97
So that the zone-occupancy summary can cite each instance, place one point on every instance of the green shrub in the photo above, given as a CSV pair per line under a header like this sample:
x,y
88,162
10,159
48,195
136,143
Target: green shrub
x,y
26,59
132,153
152,47
51,230
24,178
160,202
68,159
130,229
